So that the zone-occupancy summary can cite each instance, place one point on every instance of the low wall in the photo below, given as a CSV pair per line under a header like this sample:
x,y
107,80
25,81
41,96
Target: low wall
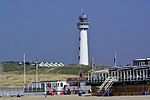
x,y
11,91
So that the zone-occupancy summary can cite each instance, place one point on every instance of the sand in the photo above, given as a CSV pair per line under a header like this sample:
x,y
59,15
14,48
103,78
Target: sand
x,y
76,97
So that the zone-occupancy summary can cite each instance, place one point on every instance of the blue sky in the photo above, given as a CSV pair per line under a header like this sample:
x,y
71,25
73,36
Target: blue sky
x,y
47,29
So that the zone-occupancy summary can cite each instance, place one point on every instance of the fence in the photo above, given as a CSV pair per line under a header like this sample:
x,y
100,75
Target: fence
x,y
11,91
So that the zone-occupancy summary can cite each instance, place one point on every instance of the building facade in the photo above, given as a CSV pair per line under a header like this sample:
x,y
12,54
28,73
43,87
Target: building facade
x,y
128,80
141,62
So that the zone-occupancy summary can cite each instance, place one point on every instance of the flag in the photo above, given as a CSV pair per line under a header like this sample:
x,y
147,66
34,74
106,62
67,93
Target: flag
x,y
115,59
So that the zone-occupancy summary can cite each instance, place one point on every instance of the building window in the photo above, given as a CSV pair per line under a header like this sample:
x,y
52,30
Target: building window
x,y
61,84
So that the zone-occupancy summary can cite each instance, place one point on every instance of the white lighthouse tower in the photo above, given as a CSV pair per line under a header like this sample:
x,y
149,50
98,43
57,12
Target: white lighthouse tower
x,y
83,26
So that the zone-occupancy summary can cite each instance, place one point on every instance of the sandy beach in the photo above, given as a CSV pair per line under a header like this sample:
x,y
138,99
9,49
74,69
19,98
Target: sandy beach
x,y
76,97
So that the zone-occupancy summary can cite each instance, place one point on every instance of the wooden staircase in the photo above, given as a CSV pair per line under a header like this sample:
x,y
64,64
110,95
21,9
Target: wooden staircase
x,y
105,87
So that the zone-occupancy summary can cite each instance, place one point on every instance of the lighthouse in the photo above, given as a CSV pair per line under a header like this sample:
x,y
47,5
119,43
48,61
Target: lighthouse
x,y
83,26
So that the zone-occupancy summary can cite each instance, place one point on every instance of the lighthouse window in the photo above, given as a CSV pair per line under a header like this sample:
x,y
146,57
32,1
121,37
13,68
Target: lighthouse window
x,y
79,48
79,39
79,57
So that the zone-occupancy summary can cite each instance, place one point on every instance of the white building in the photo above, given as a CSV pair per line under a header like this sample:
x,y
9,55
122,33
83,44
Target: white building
x,y
51,64
141,62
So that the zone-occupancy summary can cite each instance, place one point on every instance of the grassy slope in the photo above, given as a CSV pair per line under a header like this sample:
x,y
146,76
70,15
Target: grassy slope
x,y
16,80
13,74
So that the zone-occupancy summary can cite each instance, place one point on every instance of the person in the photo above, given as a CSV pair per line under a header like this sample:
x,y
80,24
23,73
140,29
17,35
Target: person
x,y
18,95
45,94
69,92
55,92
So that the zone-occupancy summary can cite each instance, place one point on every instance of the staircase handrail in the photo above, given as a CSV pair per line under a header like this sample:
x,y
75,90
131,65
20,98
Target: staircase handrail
x,y
109,84
104,83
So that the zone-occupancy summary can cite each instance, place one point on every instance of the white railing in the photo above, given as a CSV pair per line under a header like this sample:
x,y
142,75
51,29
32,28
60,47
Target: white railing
x,y
107,84
104,83
111,81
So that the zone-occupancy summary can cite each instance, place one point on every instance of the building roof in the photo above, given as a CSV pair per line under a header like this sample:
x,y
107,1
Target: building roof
x,y
141,59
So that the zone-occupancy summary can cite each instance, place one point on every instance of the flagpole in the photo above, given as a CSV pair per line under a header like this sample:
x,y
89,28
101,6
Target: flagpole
x,y
93,67
36,70
24,68
115,60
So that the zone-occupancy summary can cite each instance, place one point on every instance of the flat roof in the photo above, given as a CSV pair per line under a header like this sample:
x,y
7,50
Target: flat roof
x,y
141,59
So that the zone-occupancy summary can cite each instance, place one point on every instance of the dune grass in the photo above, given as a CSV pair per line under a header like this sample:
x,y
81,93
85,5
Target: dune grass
x,y
12,75
16,80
